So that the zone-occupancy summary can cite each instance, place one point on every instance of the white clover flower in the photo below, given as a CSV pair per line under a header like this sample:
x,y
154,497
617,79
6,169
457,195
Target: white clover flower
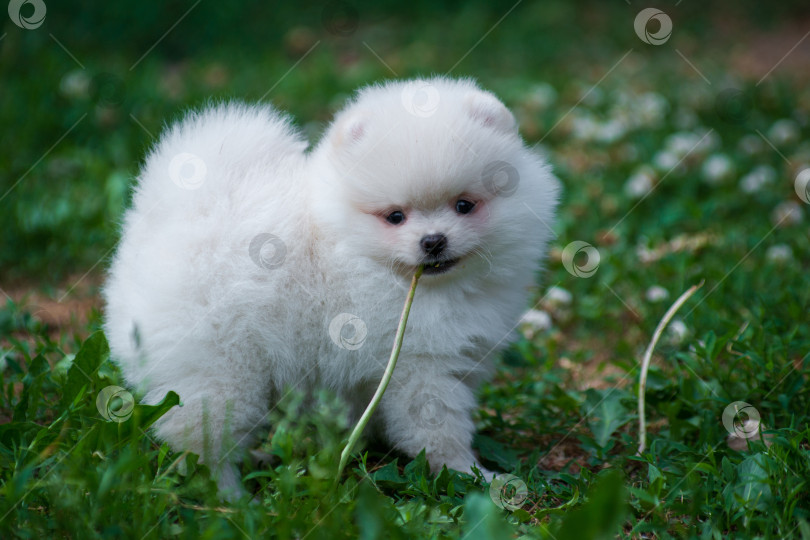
x,y
784,132
541,96
651,108
626,117
717,168
76,84
653,104
787,213
639,184
559,296
584,128
611,131
645,254
701,141
677,331
779,253
656,294
759,177
665,160
681,143
534,321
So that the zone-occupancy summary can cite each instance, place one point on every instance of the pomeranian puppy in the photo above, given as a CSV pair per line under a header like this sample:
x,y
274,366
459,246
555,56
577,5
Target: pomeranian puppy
x,y
249,266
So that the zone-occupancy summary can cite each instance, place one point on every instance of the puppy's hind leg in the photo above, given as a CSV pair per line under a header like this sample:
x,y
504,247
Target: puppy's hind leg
x,y
218,423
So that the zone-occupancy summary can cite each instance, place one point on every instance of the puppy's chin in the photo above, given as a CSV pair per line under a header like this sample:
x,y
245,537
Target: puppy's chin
x,y
445,266
442,266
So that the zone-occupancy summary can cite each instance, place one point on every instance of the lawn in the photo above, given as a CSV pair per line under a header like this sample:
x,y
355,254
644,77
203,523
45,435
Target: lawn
x,y
685,158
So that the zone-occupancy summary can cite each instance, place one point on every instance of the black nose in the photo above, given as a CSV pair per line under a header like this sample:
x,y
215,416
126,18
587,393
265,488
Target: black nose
x,y
433,244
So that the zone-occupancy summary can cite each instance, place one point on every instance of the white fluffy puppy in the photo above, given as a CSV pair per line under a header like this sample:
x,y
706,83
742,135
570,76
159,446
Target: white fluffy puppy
x,y
249,266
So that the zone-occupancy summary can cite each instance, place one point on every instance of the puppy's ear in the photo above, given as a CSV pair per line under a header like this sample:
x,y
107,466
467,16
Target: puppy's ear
x,y
489,111
349,130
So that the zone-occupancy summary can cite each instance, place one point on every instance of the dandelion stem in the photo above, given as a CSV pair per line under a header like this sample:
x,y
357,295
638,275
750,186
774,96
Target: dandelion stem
x,y
645,363
386,378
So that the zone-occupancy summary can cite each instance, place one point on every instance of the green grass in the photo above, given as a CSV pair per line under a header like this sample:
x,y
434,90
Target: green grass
x,y
561,413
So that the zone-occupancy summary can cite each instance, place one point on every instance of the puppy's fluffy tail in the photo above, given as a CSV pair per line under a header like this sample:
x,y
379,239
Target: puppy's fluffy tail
x,y
215,148
202,192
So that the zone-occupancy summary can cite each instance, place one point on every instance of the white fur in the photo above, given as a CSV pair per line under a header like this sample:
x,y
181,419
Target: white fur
x,y
190,310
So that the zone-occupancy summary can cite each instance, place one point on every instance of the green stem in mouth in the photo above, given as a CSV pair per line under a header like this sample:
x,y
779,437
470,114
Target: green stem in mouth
x,y
386,378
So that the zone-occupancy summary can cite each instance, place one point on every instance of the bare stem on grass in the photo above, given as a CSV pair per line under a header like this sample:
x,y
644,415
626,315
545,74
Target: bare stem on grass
x,y
645,363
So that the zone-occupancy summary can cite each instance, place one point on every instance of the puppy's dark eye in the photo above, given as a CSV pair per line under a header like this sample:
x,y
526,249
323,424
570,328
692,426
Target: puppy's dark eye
x,y
464,207
395,218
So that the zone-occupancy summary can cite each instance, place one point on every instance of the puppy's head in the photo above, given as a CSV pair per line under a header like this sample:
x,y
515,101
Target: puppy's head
x,y
425,172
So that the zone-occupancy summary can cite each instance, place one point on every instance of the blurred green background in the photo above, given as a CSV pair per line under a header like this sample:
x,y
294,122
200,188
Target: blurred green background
x,y
83,94
681,163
